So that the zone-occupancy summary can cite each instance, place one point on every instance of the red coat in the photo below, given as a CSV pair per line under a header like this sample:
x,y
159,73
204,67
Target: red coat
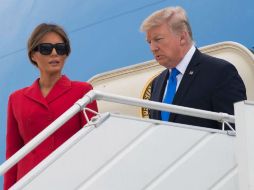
x,y
29,113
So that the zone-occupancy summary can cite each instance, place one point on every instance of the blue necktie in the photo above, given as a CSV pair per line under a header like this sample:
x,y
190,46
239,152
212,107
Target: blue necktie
x,y
171,89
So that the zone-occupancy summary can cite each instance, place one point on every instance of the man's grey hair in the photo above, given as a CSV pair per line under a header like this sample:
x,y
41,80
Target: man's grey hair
x,y
175,17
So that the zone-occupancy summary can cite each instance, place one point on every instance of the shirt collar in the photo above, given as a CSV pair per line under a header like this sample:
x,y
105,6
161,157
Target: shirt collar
x,y
186,60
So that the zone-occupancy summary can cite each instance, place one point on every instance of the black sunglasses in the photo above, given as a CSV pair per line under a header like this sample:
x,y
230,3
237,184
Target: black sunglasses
x,y
46,48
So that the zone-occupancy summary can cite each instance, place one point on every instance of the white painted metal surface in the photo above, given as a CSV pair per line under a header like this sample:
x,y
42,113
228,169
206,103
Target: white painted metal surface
x,y
96,95
78,106
130,153
245,143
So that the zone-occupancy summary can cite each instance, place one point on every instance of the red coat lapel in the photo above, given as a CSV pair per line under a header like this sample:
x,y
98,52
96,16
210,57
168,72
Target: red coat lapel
x,y
33,92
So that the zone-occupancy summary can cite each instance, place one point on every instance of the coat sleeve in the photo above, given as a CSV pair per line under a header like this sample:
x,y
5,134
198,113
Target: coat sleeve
x,y
230,90
13,143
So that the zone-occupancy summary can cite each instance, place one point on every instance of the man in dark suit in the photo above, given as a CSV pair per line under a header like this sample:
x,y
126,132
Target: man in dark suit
x,y
202,81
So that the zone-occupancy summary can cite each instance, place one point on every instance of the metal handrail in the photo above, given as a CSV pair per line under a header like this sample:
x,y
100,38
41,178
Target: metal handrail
x,y
97,95
164,107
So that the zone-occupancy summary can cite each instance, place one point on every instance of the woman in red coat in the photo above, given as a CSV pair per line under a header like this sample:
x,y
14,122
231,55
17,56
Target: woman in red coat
x,y
33,108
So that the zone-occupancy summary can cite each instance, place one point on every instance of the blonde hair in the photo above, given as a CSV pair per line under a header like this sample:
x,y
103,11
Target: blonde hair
x,y
175,17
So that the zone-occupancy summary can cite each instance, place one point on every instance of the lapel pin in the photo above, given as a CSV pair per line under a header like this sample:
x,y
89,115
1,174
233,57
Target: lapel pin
x,y
191,72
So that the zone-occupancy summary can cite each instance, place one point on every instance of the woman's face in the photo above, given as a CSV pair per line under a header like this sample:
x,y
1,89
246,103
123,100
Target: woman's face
x,y
52,63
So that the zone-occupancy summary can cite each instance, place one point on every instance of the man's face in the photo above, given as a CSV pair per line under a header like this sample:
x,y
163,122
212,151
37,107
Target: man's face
x,y
165,45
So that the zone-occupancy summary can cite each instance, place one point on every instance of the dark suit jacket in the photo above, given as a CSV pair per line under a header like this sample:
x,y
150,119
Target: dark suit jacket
x,y
208,83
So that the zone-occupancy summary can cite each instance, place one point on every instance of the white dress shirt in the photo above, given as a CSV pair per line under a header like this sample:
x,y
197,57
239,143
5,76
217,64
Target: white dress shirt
x,y
181,67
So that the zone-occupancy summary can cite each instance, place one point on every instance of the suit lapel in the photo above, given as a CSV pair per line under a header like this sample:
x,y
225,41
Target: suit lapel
x,y
188,77
161,85
159,88
33,92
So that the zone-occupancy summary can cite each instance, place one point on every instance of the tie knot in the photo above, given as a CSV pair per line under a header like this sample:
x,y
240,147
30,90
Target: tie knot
x,y
174,72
